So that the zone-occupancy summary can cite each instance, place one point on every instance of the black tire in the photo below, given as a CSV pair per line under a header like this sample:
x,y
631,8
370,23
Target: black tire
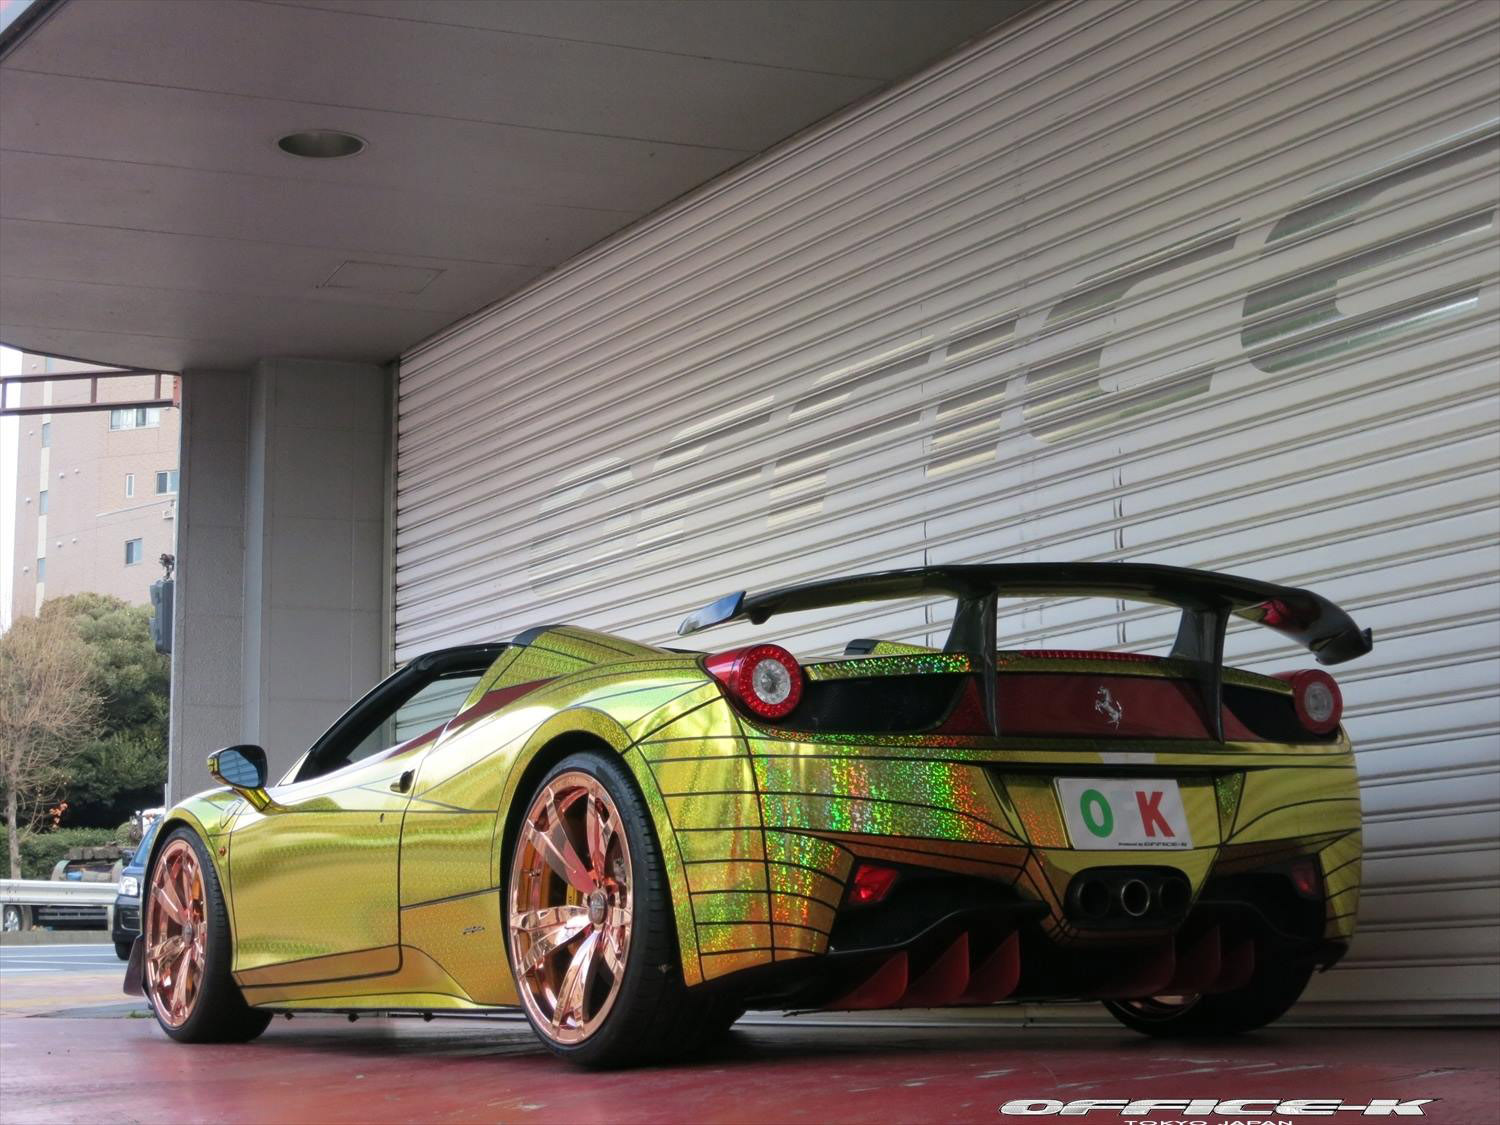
x,y
655,1016
122,950
219,1013
1272,991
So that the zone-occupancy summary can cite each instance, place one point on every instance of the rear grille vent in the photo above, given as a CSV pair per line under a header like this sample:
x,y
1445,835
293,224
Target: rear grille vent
x,y
878,704
1270,715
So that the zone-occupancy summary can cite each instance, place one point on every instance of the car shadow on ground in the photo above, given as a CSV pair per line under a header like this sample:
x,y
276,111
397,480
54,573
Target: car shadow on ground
x,y
769,1041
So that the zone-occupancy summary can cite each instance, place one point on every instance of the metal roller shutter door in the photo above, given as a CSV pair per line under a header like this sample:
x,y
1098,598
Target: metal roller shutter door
x,y
1212,285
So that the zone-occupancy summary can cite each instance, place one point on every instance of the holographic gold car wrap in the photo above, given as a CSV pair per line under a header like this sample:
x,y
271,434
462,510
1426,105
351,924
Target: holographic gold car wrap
x,y
350,892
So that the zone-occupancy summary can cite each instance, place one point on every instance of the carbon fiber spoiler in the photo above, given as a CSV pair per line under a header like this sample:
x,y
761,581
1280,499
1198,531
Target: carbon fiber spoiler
x,y
1207,600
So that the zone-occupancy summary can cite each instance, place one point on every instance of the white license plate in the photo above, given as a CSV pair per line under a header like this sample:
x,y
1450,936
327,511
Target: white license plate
x,y
1108,814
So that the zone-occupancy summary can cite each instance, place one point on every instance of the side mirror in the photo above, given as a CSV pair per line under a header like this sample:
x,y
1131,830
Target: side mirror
x,y
243,769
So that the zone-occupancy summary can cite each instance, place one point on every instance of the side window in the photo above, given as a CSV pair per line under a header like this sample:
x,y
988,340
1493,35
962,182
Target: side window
x,y
407,704
428,709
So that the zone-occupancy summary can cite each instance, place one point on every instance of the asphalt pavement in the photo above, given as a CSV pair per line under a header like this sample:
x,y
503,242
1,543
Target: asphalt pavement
x,y
39,979
19,960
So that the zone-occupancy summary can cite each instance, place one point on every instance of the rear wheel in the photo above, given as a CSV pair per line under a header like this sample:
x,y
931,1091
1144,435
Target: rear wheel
x,y
188,955
1273,989
592,941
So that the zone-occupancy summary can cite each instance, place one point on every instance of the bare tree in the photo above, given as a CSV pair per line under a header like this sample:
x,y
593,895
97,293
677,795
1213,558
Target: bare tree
x,y
46,705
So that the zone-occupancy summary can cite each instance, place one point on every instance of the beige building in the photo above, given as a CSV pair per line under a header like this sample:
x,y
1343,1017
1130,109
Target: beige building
x,y
96,490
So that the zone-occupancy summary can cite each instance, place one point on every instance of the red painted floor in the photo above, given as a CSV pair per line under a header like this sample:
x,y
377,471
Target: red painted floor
x,y
326,1070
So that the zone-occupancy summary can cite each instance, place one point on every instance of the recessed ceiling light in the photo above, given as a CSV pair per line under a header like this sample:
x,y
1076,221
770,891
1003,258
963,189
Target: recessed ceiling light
x,y
321,144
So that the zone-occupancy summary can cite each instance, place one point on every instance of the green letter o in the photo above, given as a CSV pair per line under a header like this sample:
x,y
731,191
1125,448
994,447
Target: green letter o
x,y
1105,823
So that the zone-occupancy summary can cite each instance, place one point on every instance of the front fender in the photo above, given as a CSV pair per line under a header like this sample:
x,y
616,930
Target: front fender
x,y
210,814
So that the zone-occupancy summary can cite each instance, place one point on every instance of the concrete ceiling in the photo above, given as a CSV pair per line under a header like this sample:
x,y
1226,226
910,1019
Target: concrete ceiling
x,y
148,219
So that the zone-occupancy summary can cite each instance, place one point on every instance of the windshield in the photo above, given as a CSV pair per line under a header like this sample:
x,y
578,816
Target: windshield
x,y
143,852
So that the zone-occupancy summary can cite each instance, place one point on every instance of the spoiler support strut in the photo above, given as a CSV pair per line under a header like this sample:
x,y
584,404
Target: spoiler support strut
x,y
974,624
1200,642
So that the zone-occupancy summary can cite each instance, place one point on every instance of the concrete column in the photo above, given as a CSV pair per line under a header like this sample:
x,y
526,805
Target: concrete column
x,y
209,615
283,504
315,549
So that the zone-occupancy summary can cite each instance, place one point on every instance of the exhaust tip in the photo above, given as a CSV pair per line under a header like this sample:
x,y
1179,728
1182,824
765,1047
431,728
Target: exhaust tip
x,y
1172,896
1092,898
1135,897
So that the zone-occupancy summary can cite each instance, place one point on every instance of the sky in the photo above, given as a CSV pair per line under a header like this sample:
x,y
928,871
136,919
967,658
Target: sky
x,y
10,364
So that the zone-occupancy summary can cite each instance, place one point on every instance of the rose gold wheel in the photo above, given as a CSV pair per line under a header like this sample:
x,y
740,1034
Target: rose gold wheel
x,y
176,933
570,907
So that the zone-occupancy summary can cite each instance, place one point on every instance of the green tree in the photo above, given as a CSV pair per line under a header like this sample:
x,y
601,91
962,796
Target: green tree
x,y
46,708
123,767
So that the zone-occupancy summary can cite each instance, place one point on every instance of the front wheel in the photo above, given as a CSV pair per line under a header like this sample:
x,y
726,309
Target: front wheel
x,y
591,937
1273,989
187,954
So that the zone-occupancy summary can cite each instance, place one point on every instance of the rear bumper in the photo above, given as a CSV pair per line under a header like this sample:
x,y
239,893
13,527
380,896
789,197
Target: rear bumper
x,y
771,826
988,955
71,917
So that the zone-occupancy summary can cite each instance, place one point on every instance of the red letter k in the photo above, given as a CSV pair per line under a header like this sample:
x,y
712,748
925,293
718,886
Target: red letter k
x,y
1151,813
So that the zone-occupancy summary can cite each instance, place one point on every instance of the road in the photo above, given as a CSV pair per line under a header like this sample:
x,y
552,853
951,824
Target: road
x,y
18,960
45,978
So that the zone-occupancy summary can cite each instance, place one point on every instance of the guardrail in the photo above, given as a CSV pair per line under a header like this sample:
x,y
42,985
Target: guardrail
x,y
57,892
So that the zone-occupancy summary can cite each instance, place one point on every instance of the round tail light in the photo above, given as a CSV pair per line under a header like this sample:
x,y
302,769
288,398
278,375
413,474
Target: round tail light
x,y
765,678
1317,698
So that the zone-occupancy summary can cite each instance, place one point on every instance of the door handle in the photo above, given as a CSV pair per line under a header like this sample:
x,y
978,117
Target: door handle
x,y
403,783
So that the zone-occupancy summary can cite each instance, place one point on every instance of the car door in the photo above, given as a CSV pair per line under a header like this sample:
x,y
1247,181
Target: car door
x,y
314,875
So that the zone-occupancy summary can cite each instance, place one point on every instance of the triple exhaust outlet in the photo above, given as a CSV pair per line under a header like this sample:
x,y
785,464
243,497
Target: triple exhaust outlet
x,y
1115,896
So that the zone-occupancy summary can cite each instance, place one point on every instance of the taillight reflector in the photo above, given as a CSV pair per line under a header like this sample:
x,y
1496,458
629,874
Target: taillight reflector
x,y
1306,878
1317,698
871,883
765,678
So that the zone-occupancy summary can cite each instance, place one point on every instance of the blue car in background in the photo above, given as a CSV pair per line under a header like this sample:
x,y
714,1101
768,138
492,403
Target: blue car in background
x,y
127,923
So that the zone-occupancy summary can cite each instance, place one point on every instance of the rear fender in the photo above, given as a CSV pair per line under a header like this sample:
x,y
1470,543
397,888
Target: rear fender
x,y
574,728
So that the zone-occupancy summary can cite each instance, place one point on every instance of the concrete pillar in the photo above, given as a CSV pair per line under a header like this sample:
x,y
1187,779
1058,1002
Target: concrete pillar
x,y
315,549
208,626
282,530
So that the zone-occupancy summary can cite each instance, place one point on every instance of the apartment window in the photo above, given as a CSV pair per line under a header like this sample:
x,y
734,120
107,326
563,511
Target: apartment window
x,y
41,570
133,552
138,418
166,481
129,485
46,435
41,502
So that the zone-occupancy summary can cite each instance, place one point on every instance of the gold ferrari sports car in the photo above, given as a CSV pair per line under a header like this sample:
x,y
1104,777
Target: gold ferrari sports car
x,y
635,844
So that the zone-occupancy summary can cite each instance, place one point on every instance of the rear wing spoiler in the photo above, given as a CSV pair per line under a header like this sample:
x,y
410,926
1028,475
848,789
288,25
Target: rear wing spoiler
x,y
1207,600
